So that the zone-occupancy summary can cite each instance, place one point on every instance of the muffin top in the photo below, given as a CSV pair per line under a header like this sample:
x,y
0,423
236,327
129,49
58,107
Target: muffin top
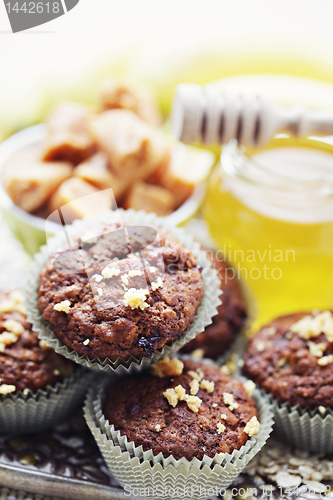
x,y
231,314
126,292
184,409
25,364
292,358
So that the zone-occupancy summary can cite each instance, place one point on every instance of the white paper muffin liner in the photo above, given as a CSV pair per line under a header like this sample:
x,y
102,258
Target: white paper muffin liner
x,y
303,428
205,312
156,477
36,412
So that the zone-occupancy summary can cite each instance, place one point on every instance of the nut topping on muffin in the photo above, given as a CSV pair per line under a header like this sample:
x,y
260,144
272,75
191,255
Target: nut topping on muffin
x,y
167,367
26,364
296,364
163,414
131,291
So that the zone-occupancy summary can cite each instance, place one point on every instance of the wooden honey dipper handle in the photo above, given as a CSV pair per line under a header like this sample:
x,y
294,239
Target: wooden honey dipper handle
x,y
208,115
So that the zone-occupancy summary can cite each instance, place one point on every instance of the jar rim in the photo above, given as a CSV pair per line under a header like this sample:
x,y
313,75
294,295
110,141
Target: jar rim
x,y
237,162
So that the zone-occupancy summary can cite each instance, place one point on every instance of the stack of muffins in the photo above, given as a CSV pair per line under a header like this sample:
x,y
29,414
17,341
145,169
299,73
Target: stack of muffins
x,y
122,298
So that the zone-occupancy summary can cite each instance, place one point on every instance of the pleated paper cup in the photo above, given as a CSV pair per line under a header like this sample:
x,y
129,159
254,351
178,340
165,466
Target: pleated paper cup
x,y
158,478
203,317
304,428
36,412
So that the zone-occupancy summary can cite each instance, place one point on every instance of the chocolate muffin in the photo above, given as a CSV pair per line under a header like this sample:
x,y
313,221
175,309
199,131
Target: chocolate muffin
x,y
230,318
25,364
126,292
292,359
184,409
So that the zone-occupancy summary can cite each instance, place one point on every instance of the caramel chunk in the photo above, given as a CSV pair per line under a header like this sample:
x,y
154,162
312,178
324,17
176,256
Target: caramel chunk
x,y
73,199
186,168
134,149
68,138
143,196
117,94
31,184
97,172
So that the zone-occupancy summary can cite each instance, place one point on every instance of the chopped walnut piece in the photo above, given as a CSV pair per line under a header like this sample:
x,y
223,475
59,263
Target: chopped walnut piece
x,y
312,326
193,402
317,350
198,374
7,389
261,346
13,326
181,393
249,387
229,400
124,279
157,284
270,330
63,306
109,272
252,427
136,298
171,396
197,354
220,428
167,367
194,386
207,385
325,360
134,272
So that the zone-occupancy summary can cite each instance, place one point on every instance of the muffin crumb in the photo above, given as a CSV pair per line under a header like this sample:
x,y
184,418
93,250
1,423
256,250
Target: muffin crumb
x,y
158,428
224,416
167,367
252,427
86,342
98,278
63,306
136,298
100,292
56,372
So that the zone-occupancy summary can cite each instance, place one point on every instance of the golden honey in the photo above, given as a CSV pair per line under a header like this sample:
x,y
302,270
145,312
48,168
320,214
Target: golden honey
x,y
271,214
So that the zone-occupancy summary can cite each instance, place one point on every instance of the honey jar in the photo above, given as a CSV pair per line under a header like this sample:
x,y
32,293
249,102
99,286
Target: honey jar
x,y
270,212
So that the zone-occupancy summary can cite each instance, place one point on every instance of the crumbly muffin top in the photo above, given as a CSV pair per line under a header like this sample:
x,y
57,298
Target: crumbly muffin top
x,y
292,358
230,318
126,292
25,363
184,409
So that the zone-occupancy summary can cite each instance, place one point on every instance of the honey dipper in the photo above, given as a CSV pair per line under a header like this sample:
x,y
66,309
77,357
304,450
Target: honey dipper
x,y
208,115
